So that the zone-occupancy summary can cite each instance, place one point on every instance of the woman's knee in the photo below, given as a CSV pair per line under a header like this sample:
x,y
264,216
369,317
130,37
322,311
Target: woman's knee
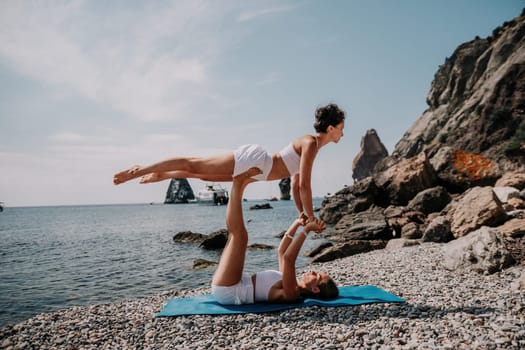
x,y
192,165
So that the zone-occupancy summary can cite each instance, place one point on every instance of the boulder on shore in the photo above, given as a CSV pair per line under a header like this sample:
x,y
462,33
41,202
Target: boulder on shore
x,y
431,200
402,181
348,248
438,230
369,225
458,170
482,251
479,206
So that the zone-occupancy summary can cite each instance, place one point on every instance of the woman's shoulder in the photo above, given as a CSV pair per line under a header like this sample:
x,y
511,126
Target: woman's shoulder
x,y
304,141
278,294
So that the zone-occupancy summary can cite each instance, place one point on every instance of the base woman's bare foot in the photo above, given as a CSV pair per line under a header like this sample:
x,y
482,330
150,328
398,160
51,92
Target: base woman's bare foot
x,y
126,175
151,177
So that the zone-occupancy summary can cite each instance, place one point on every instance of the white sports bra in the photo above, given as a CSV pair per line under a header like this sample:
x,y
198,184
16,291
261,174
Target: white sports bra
x,y
264,280
291,159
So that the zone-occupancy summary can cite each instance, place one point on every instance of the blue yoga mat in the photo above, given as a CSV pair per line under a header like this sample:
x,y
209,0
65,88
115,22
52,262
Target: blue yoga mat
x,y
206,304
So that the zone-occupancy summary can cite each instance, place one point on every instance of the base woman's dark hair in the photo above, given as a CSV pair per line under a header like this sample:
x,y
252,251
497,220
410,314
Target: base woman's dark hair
x,y
327,290
328,115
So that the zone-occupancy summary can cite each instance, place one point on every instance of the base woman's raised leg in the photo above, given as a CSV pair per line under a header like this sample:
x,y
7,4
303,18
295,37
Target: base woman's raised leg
x,y
231,264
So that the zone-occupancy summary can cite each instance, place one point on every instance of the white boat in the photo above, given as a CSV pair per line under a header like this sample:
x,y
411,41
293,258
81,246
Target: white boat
x,y
213,194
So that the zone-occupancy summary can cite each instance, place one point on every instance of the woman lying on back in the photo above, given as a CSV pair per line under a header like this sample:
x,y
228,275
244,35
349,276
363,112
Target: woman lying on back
x,y
231,285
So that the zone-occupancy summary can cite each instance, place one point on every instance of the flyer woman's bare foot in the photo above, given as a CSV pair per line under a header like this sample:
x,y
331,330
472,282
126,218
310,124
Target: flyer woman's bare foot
x,y
151,177
126,175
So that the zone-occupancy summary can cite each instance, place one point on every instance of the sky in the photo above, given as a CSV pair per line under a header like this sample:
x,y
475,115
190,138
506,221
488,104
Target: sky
x,y
89,88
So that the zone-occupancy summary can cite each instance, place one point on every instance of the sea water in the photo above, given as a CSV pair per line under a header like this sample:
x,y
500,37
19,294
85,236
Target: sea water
x,y
56,257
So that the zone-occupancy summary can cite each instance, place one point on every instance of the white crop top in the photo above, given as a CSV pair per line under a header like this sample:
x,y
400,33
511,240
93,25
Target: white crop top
x,y
291,159
264,281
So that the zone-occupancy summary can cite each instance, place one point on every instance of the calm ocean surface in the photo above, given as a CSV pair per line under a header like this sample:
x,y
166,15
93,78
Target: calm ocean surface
x,y
56,257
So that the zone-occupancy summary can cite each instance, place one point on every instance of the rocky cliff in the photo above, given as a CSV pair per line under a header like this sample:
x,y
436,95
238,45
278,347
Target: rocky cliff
x,y
458,174
477,101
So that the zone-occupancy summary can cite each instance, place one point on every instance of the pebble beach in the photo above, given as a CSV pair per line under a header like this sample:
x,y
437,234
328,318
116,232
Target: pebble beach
x,y
443,310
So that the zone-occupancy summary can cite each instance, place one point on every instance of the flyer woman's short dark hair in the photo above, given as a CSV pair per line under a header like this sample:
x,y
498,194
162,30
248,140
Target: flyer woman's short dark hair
x,y
328,115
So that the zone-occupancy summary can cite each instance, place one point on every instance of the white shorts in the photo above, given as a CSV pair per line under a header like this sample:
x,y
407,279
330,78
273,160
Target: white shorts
x,y
252,156
240,293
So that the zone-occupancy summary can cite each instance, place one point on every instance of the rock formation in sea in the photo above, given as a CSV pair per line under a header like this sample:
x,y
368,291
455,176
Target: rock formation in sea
x,y
372,151
179,191
457,175
284,187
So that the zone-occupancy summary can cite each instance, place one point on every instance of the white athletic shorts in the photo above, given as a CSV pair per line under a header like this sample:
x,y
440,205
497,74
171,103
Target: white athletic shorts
x,y
240,293
252,156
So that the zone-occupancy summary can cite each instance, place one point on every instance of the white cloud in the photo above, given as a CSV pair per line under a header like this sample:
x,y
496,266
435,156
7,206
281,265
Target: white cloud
x,y
149,63
254,14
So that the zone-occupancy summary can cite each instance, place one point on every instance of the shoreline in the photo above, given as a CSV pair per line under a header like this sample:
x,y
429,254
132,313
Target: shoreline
x,y
448,310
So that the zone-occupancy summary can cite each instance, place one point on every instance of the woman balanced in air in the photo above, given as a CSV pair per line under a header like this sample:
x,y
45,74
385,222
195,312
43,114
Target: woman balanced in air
x,y
231,286
295,161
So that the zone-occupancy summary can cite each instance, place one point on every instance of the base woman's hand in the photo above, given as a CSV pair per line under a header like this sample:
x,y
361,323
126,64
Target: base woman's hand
x,y
303,218
315,225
